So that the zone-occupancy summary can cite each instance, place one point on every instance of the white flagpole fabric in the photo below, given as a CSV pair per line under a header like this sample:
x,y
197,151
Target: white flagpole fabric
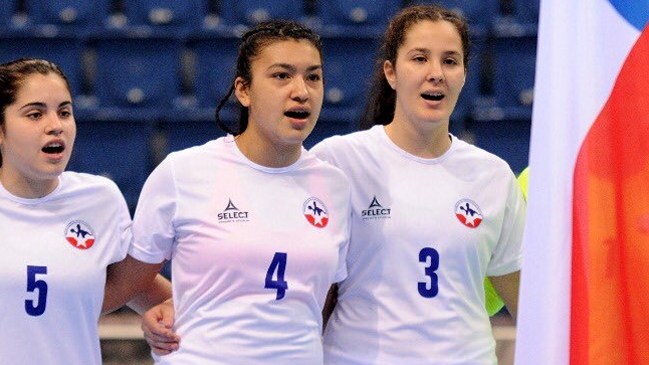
x,y
583,46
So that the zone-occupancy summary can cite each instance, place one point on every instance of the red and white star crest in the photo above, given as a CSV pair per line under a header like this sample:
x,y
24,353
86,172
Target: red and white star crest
x,y
315,212
80,235
468,213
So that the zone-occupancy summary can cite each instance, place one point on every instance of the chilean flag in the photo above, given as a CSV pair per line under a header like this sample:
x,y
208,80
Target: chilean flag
x,y
584,296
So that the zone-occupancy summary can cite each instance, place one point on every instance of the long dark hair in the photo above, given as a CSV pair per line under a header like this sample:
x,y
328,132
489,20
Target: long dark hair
x,y
252,43
12,75
382,98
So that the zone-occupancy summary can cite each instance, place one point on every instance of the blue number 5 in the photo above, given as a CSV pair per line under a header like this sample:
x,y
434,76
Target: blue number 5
x,y
277,265
36,307
429,290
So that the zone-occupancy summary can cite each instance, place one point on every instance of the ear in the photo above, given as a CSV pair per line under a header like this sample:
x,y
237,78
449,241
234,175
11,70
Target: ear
x,y
241,91
390,74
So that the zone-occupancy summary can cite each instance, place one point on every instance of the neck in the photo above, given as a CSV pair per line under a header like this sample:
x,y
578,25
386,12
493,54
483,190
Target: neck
x,y
26,188
429,141
266,153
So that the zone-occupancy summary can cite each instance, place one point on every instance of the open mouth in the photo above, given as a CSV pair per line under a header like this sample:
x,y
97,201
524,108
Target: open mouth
x,y
53,148
433,96
297,114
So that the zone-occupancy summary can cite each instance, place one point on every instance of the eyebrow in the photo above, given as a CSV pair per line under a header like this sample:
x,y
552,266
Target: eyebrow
x,y
428,51
43,105
292,68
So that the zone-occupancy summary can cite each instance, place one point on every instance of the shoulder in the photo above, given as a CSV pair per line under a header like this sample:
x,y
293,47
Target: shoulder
x,y
195,151
340,145
476,157
80,180
323,167
97,189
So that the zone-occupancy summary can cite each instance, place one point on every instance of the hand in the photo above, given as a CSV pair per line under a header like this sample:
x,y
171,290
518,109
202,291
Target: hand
x,y
157,325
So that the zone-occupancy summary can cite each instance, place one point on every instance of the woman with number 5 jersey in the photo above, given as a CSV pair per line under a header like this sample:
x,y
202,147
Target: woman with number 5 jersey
x,y
255,226
64,234
432,215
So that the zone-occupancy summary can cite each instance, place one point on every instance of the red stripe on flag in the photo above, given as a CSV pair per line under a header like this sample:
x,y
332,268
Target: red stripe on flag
x,y
610,262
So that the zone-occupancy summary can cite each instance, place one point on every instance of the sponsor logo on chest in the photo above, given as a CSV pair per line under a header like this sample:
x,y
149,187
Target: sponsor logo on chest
x,y
375,211
232,214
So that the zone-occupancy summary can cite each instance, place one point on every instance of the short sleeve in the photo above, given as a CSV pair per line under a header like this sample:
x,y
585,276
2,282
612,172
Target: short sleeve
x,y
153,223
507,256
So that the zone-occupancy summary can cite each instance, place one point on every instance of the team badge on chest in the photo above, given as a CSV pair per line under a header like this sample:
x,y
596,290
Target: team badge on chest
x,y
315,212
468,213
80,235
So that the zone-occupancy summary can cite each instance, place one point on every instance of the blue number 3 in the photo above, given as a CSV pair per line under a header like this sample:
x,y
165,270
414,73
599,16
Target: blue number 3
x,y
36,307
277,265
429,290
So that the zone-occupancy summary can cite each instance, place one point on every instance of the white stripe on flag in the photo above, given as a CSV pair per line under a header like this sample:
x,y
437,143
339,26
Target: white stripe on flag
x,y
582,45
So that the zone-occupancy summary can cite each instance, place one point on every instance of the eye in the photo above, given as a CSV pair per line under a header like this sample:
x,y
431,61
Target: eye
x,y
281,75
451,61
65,113
419,58
34,114
314,77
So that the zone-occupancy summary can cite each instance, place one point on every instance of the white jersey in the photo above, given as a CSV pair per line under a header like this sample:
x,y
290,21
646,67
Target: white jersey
x,y
425,232
254,251
53,269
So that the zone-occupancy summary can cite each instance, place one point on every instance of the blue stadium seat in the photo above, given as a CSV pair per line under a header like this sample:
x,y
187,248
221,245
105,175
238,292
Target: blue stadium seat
x,y
348,62
7,11
479,14
327,128
472,89
66,52
250,12
357,12
118,149
141,71
215,57
527,11
514,63
173,13
180,134
508,138
78,13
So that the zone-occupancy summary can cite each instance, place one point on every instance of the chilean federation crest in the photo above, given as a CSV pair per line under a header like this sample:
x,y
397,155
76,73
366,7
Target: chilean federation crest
x,y
468,213
315,212
80,235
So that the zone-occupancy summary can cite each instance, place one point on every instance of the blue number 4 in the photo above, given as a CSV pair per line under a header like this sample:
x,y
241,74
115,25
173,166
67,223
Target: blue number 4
x,y
36,307
277,265
429,290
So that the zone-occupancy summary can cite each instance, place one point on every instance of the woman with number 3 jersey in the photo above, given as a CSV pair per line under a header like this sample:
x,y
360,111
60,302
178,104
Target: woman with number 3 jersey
x,y
432,215
256,227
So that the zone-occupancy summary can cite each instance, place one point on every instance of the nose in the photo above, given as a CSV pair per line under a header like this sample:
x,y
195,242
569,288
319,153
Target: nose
x,y
436,73
300,91
54,125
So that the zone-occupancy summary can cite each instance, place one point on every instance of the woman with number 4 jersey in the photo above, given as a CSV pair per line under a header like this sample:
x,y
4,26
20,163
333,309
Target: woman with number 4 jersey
x,y
432,215
256,227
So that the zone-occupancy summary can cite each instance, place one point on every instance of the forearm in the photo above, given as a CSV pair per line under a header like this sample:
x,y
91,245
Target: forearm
x,y
158,292
507,287
129,278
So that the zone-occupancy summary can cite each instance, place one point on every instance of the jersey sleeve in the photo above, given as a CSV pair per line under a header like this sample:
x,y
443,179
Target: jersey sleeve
x,y
507,256
323,150
153,223
341,272
124,225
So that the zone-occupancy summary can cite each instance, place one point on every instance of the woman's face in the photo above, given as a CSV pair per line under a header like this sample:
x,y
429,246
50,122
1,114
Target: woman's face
x,y
38,135
429,72
285,93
